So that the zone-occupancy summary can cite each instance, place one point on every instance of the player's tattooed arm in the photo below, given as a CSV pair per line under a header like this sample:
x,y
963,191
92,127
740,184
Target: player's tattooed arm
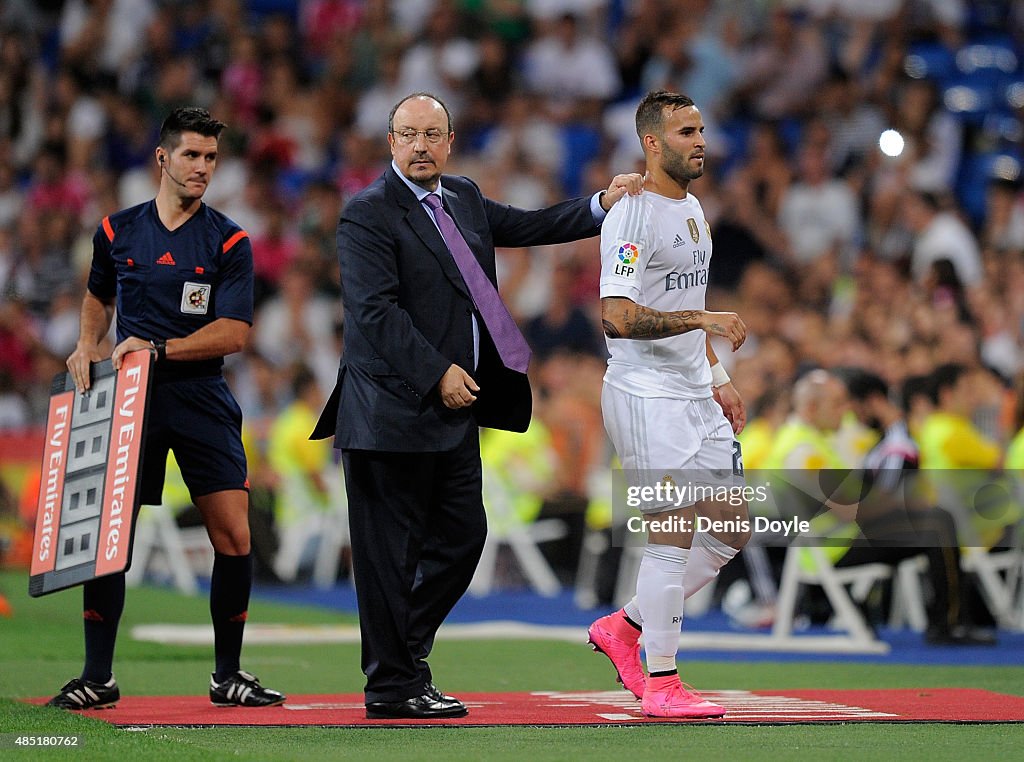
x,y
610,330
625,319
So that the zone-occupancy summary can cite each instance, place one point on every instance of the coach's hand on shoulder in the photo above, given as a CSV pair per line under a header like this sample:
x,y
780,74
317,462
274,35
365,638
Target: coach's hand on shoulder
x,y
620,185
456,388
725,324
129,345
78,365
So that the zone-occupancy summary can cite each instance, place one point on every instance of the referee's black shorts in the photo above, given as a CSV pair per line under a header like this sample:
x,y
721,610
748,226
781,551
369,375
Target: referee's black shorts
x,y
200,421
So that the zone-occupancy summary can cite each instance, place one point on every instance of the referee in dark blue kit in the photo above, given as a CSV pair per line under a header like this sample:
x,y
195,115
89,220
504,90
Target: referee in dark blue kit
x,y
181,277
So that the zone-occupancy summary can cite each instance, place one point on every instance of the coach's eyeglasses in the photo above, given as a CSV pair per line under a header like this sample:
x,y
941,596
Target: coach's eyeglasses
x,y
408,137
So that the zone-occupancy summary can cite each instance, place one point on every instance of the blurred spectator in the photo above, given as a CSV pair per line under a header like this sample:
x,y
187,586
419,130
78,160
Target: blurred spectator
x,y
548,11
563,326
300,463
945,290
295,326
260,386
781,66
636,39
767,172
524,275
818,213
853,121
242,79
932,136
360,164
767,414
17,341
378,100
278,36
42,263
689,57
898,521
13,410
948,437
60,327
938,235
567,65
525,138
11,198
22,95
104,35
1004,226
322,21
804,442
963,455
318,220
441,61
53,188
494,80
739,231
8,287
129,138
273,251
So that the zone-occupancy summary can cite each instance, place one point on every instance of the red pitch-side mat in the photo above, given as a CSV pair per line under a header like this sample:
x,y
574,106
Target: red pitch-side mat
x,y
597,708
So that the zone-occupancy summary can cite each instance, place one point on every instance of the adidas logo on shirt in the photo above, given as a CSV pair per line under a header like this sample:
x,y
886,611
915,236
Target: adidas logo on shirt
x,y
678,242
166,259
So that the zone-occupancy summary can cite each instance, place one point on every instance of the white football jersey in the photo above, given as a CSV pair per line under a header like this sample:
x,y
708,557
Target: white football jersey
x,y
656,251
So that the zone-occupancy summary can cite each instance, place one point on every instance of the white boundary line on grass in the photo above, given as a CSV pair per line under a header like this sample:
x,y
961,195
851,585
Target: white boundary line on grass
x,y
282,634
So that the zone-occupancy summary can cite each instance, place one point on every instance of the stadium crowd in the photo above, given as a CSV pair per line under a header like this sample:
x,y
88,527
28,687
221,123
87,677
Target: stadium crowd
x,y
837,247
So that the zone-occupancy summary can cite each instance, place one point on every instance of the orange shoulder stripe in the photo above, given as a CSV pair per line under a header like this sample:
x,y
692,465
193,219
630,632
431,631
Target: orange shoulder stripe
x,y
233,240
108,230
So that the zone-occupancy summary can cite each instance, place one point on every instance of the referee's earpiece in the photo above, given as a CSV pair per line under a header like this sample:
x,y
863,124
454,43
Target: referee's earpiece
x,y
162,158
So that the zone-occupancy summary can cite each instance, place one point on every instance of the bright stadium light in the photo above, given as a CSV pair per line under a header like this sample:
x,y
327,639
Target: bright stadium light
x,y
891,143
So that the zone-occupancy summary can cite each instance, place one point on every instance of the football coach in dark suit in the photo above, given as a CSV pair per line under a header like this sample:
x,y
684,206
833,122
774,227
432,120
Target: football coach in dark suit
x,y
430,355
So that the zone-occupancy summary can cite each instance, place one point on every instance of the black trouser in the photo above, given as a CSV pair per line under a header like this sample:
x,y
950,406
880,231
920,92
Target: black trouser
x,y
418,528
931,533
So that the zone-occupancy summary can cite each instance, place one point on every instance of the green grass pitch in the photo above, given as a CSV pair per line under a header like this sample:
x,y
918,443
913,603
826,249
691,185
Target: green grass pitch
x,y
40,648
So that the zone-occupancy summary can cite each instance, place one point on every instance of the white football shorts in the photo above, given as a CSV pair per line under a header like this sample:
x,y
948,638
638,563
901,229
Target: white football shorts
x,y
683,442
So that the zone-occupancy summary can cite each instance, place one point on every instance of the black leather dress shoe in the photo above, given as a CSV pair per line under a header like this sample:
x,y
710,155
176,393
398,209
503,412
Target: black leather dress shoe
x,y
437,694
425,707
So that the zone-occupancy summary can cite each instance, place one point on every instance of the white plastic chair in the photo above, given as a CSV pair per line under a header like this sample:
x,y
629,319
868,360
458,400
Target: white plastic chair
x,y
160,544
506,528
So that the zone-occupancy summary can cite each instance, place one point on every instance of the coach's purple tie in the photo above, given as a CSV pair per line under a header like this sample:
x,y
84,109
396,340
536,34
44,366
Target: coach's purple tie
x,y
512,347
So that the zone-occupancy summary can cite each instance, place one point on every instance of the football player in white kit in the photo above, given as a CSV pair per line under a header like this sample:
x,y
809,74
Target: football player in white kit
x,y
668,404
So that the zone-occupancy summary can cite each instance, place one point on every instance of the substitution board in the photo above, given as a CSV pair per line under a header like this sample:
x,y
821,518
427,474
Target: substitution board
x,y
89,490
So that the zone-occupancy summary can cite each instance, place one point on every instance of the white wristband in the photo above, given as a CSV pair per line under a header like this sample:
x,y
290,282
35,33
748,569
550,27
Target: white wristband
x,y
718,375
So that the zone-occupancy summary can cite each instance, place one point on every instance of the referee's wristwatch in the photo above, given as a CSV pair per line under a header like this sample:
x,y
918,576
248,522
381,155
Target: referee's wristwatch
x,y
160,345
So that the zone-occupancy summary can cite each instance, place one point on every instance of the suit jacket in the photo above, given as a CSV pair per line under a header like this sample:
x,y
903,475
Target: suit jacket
x,y
408,315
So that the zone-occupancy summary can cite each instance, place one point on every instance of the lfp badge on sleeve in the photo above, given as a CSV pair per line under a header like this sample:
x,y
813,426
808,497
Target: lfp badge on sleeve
x,y
89,489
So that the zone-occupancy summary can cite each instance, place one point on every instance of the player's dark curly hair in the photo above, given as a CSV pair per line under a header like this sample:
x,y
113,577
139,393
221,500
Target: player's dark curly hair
x,y
188,119
650,114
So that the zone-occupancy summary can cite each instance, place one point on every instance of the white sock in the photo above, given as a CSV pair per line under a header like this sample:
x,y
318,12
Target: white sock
x,y
707,551
659,595
708,555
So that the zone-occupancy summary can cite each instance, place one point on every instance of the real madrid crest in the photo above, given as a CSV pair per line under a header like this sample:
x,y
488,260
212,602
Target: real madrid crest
x,y
694,230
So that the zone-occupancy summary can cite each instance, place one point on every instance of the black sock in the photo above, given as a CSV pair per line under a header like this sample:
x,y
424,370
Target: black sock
x,y
102,604
229,604
666,673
